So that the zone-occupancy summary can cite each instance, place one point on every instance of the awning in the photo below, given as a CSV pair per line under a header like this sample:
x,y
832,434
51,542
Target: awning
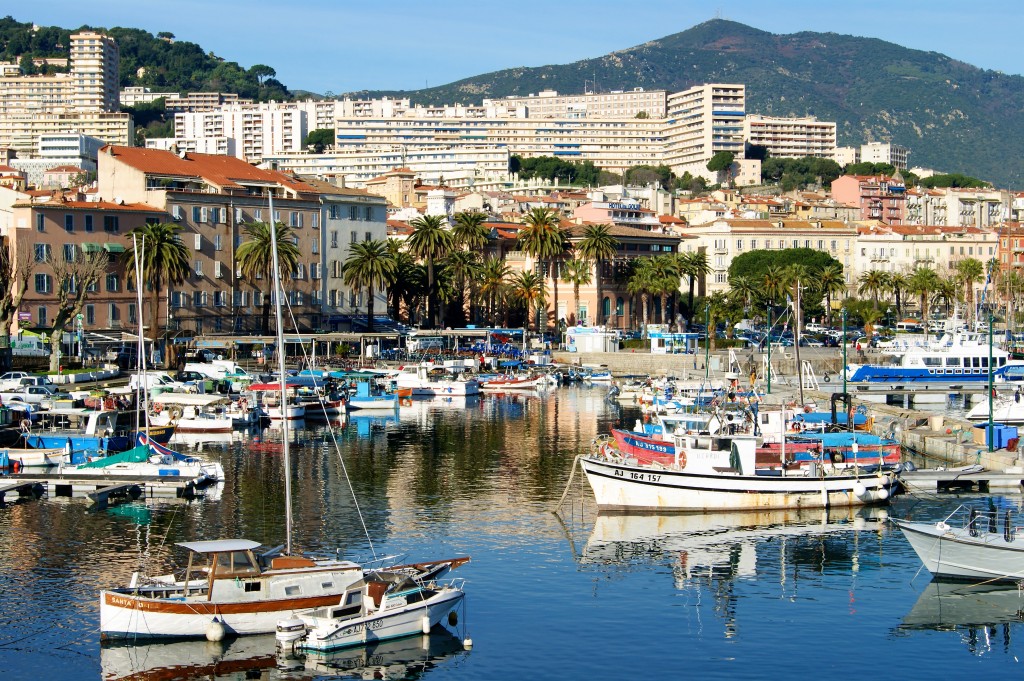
x,y
113,248
89,247
208,343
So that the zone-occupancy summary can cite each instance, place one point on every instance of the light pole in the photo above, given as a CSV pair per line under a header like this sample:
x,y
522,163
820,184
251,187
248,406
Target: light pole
x,y
707,342
768,340
844,351
991,438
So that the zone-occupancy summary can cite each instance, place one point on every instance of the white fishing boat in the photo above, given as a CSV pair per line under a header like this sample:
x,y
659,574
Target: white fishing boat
x,y
428,380
384,605
267,396
191,413
968,544
1005,409
707,472
36,458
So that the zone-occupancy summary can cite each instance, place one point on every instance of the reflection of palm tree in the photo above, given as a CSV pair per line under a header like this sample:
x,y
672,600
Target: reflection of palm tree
x,y
369,266
430,241
577,273
528,287
597,246
164,260
256,260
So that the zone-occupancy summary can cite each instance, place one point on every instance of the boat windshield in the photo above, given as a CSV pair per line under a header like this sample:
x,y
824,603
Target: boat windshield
x,y
235,563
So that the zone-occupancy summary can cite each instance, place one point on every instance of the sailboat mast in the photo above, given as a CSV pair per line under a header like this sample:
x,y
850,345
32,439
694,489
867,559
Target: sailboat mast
x,y
143,389
278,292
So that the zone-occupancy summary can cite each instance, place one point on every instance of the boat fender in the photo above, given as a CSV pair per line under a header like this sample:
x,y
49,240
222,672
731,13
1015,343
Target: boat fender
x,y
682,460
941,526
1007,530
16,468
837,457
215,630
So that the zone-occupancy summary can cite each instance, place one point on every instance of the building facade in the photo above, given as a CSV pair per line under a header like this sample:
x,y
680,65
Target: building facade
x,y
878,197
791,137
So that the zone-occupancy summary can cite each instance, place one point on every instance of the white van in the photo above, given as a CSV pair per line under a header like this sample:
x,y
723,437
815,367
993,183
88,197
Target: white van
x,y
155,379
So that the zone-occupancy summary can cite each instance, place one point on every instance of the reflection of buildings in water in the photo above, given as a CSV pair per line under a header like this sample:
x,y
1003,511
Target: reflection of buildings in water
x,y
713,551
256,657
982,615
201,441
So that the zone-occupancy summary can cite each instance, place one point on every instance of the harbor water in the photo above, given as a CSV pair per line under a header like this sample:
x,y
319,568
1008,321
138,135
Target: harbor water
x,y
549,596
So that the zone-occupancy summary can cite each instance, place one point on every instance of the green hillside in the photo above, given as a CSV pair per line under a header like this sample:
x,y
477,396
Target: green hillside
x,y
954,117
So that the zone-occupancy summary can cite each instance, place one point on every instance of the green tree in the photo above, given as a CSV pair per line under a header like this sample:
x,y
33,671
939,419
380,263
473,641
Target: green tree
x,y
693,266
255,259
746,291
494,276
665,281
577,273
598,246
543,238
470,231
641,283
922,282
463,267
872,283
320,139
430,241
723,160
970,271
529,288
897,283
406,284
165,262
370,266
830,282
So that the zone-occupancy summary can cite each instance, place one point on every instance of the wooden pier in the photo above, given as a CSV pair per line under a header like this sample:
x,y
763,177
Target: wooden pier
x,y
963,480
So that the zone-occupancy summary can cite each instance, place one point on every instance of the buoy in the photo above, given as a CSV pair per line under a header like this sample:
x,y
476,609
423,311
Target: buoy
x,y
425,623
467,643
859,490
215,630
453,618
883,494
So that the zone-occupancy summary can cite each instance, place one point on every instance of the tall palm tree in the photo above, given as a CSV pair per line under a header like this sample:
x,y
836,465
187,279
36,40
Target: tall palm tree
x,y
897,283
370,265
597,246
528,287
970,271
164,259
922,282
255,259
577,273
404,281
745,290
641,283
776,283
948,291
718,309
469,231
694,265
430,241
829,281
665,281
494,276
543,238
462,267
872,283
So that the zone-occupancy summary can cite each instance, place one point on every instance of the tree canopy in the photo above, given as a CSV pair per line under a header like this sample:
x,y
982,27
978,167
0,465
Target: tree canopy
x,y
754,264
551,168
799,173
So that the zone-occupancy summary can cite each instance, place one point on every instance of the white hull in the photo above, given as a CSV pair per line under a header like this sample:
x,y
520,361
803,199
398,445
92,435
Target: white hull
x,y
291,412
211,424
954,554
200,473
626,487
1003,411
38,458
327,634
444,389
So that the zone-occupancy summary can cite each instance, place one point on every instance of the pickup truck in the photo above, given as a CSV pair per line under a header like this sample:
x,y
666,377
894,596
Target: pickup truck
x,y
155,380
30,394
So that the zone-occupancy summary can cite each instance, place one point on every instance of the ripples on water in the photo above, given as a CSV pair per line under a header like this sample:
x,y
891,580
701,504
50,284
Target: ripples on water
x,y
573,595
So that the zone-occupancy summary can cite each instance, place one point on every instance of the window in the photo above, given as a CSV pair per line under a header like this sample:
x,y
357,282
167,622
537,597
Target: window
x,y
739,244
314,270
218,269
314,221
90,315
367,236
69,223
315,246
93,286
222,215
332,212
176,299
721,277
821,245
204,214
88,223
257,298
219,298
40,226
110,223
368,213
314,298
199,268
197,298
197,214
70,253
41,315
239,215
42,252
257,215
132,319
218,243
351,212
297,298
293,219
44,284
354,237
113,283
300,271
334,238
199,241
834,245
176,213
332,297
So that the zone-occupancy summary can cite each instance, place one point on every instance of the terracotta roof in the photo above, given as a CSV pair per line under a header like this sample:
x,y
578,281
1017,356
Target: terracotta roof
x,y
217,169
670,220
58,169
578,231
399,227
741,223
323,187
107,206
8,169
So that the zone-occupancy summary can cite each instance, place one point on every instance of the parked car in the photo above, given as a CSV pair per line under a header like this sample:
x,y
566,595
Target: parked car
x,y
12,379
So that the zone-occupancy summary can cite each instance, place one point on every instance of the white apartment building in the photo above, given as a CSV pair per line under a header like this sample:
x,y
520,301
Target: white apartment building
x,y
701,122
885,152
791,137
216,145
614,104
59,149
256,129
957,207
481,167
844,156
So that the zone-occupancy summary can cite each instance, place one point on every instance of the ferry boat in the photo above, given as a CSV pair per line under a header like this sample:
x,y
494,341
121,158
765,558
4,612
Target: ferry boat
x,y
955,359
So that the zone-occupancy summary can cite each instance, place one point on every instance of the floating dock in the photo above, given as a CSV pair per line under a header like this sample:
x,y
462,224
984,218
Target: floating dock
x,y
963,480
100,488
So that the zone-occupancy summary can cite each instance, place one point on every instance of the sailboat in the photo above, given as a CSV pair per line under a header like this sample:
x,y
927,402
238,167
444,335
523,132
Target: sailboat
x,y
228,587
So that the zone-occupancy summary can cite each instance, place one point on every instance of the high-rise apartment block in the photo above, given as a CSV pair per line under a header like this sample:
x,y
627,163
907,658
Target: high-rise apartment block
x,y
791,137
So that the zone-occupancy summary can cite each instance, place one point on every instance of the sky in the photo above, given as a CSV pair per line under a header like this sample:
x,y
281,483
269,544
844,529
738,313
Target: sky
x,y
341,46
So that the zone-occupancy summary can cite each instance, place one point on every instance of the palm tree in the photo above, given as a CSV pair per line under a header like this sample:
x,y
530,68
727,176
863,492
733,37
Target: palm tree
x,y
969,272
577,273
469,231
255,258
462,267
776,283
693,265
745,290
370,265
430,241
494,276
543,238
718,309
641,282
830,281
403,282
597,246
897,283
529,288
164,259
947,290
664,280
872,283
922,282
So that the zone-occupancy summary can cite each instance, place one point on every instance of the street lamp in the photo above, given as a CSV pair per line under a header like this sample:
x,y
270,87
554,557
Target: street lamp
x,y
888,318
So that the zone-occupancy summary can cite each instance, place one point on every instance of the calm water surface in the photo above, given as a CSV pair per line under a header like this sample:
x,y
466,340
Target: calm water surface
x,y
574,595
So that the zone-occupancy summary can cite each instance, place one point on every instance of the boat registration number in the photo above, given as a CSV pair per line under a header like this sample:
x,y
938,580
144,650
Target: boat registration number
x,y
639,477
370,626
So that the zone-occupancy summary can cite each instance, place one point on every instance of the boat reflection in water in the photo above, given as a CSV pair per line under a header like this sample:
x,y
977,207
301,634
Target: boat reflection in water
x,y
257,657
981,614
717,546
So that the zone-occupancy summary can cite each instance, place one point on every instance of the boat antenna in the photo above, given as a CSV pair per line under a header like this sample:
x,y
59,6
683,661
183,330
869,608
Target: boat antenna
x,y
143,390
278,292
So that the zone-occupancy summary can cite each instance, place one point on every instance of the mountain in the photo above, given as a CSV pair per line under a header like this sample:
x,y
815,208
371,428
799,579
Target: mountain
x,y
954,117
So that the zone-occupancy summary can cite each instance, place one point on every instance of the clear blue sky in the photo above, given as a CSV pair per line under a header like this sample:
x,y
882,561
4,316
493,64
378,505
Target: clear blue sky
x,y
342,45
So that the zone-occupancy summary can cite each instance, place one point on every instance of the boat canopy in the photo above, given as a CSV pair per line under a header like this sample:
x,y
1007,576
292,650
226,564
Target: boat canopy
x,y
219,545
257,387
136,455
190,399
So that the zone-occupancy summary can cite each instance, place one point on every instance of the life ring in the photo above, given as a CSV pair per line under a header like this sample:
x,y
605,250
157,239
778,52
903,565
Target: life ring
x,y
837,457
682,460
16,466
175,413
795,427
826,378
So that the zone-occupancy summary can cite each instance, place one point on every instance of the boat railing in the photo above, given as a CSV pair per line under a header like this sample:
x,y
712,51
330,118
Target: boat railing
x,y
981,523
